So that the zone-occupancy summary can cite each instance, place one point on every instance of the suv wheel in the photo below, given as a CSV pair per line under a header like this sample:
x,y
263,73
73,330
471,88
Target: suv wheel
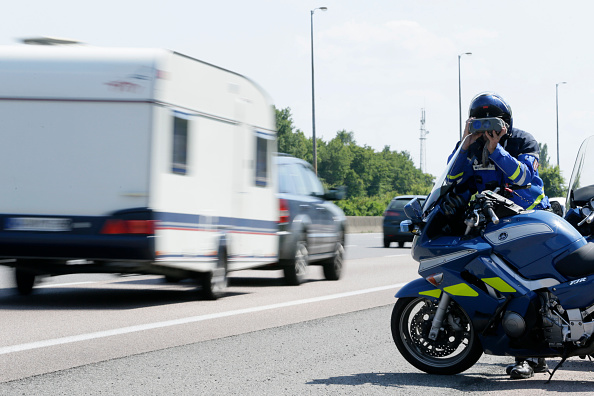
x,y
296,268
333,266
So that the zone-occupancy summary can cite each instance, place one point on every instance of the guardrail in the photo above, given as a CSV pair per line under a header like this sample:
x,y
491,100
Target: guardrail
x,y
359,224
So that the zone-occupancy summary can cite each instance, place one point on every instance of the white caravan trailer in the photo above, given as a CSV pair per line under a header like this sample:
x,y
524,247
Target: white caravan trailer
x,y
133,161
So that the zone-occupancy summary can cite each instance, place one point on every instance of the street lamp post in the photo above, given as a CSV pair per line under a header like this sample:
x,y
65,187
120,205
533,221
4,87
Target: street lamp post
x,y
313,101
557,114
460,92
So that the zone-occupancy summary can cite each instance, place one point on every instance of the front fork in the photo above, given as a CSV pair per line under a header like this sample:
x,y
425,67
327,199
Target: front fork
x,y
437,323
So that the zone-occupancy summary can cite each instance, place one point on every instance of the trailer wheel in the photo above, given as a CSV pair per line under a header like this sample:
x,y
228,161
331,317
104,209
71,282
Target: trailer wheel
x,y
25,281
214,284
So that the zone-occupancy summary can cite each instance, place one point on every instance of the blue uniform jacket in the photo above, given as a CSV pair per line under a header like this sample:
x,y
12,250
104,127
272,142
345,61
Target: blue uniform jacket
x,y
514,161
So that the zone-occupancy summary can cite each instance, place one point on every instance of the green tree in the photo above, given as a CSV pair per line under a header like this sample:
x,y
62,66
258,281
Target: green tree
x,y
336,159
544,155
553,181
366,167
290,140
372,178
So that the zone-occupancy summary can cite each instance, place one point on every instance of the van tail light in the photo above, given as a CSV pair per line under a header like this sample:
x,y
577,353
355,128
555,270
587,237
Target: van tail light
x,y
137,227
284,215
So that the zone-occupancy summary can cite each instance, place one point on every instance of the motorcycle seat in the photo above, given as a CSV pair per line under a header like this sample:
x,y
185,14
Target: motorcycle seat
x,y
578,263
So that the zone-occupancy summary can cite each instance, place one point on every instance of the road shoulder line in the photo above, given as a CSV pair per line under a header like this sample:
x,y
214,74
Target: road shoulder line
x,y
192,319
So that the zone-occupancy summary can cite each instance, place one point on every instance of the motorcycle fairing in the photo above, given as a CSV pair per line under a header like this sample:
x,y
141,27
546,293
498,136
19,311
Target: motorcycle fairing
x,y
501,282
419,288
576,293
515,238
496,341
453,251
500,294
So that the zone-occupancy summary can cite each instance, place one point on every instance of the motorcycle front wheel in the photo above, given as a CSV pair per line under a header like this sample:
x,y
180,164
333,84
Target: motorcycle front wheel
x,y
456,348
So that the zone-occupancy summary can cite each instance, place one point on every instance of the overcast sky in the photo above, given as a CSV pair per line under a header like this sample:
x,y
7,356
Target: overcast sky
x,y
377,63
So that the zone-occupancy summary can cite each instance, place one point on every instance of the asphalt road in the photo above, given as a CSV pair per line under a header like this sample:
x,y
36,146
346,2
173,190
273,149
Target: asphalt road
x,y
97,335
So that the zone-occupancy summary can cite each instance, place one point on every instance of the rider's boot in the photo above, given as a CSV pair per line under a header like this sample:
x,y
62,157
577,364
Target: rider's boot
x,y
540,366
525,368
520,370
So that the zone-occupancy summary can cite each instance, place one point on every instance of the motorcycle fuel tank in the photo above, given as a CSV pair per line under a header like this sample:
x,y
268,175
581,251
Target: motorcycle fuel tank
x,y
531,242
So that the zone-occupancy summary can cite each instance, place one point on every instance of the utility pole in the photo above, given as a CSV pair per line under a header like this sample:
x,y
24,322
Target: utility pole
x,y
423,137
313,96
557,115
460,92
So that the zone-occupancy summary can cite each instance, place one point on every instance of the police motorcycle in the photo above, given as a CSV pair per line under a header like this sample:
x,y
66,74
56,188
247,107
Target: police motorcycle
x,y
498,279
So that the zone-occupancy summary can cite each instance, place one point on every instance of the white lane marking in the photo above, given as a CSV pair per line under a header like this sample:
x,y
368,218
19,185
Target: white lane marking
x,y
63,284
191,319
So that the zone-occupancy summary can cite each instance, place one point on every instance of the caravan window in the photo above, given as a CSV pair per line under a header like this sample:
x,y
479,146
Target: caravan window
x,y
261,161
180,145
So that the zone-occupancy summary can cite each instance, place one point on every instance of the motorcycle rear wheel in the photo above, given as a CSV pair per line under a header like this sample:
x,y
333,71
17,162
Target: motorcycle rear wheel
x,y
457,347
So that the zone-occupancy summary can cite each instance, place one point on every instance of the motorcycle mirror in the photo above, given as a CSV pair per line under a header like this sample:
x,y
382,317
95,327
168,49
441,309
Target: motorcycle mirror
x,y
414,211
405,226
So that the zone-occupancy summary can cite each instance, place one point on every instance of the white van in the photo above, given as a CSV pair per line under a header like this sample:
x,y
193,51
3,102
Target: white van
x,y
123,160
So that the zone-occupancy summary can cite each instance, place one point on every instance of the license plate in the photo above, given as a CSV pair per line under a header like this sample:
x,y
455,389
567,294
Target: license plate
x,y
37,224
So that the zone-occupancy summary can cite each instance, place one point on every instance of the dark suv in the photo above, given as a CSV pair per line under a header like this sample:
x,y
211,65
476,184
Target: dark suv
x,y
311,228
393,215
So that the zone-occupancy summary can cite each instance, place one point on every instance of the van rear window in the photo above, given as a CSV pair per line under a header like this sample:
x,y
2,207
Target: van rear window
x,y
398,204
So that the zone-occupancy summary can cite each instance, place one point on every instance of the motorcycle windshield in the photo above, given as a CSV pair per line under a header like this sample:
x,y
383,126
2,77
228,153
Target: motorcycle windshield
x,y
581,184
442,186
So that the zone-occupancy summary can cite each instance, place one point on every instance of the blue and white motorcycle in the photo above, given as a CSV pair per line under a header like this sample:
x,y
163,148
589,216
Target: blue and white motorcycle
x,y
498,279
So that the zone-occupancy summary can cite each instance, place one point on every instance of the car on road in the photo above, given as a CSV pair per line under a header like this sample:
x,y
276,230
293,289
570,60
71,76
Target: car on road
x,y
393,215
311,227
558,205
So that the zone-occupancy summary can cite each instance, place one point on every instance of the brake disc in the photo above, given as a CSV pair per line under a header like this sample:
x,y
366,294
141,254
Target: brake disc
x,y
449,337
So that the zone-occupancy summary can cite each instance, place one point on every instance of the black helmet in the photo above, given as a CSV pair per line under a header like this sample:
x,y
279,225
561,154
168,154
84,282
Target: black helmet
x,y
489,104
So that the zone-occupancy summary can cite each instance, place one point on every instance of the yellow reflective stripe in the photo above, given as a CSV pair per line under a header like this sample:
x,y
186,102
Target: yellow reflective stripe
x,y
516,173
432,293
499,285
456,176
536,202
461,289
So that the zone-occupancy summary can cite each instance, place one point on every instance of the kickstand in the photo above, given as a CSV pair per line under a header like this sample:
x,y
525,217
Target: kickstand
x,y
555,369
563,359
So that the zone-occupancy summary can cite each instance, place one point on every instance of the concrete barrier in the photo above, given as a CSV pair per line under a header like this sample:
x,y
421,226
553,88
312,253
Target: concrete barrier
x,y
358,224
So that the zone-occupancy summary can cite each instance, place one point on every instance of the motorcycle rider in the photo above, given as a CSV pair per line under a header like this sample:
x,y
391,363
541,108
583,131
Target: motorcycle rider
x,y
496,159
